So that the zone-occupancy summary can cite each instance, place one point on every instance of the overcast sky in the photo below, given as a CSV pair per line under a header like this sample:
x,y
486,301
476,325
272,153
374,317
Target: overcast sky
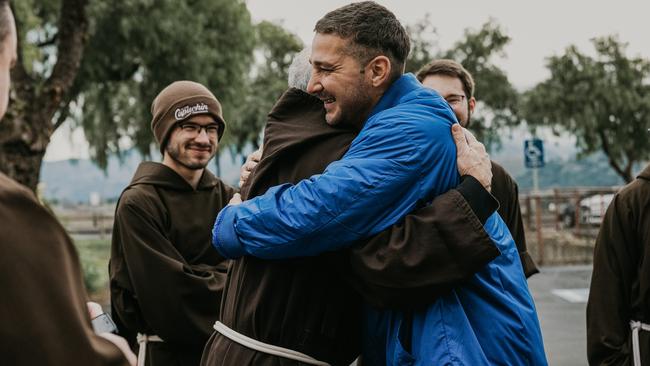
x,y
538,29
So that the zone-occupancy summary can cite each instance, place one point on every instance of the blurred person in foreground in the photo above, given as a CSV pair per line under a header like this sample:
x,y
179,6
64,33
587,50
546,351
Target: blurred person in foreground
x,y
166,280
618,310
456,85
43,312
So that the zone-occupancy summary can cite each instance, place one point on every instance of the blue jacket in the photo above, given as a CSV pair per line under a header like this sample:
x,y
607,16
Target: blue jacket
x,y
403,154
403,157
489,320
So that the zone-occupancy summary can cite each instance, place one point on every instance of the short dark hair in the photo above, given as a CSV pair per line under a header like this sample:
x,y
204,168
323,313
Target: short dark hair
x,y
449,68
372,29
5,25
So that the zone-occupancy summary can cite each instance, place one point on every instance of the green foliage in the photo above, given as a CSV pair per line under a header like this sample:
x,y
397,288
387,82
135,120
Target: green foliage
x,y
497,99
274,50
94,255
603,100
424,46
37,28
137,47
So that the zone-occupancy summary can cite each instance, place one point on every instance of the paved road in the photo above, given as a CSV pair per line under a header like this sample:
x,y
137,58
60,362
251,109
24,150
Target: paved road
x,y
560,295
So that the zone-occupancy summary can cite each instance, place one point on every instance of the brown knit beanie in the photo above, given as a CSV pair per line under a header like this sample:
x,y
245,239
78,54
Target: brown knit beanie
x,y
179,101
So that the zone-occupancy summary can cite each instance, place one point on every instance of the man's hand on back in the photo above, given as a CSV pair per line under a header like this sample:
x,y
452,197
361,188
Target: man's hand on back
x,y
472,159
249,165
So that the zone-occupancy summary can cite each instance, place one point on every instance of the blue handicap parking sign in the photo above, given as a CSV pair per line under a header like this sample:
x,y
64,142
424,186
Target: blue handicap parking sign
x,y
534,153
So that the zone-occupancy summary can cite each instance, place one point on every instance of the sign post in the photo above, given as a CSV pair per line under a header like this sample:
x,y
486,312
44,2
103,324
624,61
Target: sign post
x,y
534,158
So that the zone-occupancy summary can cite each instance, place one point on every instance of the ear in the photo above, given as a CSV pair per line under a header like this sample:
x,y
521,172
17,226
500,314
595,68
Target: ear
x,y
471,104
379,70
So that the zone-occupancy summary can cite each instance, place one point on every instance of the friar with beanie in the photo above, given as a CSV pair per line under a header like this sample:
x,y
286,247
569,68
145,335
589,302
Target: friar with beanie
x,y
166,280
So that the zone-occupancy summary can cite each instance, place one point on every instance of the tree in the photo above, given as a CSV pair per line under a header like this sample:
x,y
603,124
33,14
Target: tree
x,y
39,83
498,100
603,100
110,60
275,49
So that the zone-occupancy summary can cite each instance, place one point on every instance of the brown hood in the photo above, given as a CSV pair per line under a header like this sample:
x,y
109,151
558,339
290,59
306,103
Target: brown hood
x,y
645,174
295,124
160,175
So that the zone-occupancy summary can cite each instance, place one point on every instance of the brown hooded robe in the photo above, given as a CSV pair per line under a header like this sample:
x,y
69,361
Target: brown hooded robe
x,y
43,314
620,283
166,279
308,304
505,190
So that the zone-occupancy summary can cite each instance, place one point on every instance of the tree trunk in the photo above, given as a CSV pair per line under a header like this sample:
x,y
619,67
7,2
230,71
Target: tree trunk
x,y
623,172
21,163
26,129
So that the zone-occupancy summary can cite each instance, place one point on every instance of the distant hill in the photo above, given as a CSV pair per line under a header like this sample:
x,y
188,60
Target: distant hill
x,y
563,168
73,181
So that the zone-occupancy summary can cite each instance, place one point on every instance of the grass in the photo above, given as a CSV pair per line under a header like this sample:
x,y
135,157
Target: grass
x,y
94,254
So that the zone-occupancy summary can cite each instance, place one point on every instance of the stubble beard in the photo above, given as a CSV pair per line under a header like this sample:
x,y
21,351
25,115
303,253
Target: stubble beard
x,y
175,154
360,105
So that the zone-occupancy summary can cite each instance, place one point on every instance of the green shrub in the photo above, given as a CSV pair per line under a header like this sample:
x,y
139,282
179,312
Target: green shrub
x,y
94,255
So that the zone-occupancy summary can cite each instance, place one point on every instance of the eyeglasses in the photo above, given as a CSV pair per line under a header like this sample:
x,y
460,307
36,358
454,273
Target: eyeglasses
x,y
455,99
193,129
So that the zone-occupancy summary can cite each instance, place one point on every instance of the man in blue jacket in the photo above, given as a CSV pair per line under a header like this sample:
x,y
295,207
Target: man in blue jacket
x,y
402,158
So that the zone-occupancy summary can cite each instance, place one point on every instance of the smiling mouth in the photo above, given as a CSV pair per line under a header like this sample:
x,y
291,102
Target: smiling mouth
x,y
327,99
200,149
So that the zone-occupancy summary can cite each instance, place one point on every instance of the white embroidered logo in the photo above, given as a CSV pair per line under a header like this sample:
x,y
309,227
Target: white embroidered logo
x,y
183,112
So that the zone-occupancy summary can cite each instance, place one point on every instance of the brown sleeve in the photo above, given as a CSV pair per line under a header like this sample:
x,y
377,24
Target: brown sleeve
x,y
433,249
153,288
608,308
507,192
43,304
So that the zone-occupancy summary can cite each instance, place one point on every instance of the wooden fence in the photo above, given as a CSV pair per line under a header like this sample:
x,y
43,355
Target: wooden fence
x,y
558,231
562,224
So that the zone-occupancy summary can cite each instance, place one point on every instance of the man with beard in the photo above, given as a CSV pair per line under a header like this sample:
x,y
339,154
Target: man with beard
x,y
43,312
401,157
166,280
446,238
456,85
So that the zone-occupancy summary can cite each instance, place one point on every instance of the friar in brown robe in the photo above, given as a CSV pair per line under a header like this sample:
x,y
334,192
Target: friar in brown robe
x,y
506,191
166,280
310,305
43,315
619,298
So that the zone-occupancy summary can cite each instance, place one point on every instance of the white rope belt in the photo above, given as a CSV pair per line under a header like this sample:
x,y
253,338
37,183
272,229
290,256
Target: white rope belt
x,y
143,339
265,348
636,351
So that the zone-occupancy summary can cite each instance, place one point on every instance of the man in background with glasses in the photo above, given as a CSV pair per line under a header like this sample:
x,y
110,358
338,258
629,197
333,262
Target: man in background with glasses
x,y
456,85
166,280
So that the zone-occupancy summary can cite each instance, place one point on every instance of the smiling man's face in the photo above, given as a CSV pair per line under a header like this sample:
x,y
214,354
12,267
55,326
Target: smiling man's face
x,y
339,80
193,151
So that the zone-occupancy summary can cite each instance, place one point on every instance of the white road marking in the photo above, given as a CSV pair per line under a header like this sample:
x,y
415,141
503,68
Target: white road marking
x,y
572,295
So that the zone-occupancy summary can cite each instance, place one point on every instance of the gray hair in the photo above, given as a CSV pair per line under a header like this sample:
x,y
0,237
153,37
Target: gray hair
x,y
300,70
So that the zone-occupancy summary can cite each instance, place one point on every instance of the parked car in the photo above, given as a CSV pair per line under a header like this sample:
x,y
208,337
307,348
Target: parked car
x,y
592,210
